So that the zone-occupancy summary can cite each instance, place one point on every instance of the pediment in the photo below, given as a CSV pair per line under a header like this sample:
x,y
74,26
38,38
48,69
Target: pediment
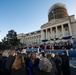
x,y
54,21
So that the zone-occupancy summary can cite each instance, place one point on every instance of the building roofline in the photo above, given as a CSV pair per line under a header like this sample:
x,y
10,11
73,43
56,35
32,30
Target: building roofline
x,y
32,32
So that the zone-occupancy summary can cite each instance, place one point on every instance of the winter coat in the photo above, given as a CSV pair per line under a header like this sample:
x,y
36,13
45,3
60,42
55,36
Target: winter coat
x,y
21,71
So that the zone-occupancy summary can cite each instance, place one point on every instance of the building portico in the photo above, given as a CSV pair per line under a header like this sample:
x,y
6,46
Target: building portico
x,y
53,31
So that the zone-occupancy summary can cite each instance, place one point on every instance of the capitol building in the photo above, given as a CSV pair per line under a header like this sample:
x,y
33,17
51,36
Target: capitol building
x,y
60,25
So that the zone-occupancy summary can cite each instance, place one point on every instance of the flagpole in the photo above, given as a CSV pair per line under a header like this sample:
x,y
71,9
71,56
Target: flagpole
x,y
53,14
54,22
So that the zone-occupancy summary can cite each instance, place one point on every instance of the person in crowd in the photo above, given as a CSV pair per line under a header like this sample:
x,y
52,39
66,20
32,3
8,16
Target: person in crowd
x,y
10,60
33,61
52,56
18,66
71,46
3,62
41,47
48,46
52,47
42,54
54,69
58,61
24,53
0,62
38,55
67,46
28,55
65,64
0,55
45,47
44,68
27,60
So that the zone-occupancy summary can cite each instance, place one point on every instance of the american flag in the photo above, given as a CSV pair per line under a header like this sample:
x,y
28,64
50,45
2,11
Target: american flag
x,y
53,14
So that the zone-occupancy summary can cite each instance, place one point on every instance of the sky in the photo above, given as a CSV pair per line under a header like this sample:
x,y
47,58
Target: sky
x,y
26,16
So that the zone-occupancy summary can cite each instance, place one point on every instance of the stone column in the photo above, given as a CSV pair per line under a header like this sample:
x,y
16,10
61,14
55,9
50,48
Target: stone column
x,y
56,32
46,34
51,32
70,31
42,35
62,30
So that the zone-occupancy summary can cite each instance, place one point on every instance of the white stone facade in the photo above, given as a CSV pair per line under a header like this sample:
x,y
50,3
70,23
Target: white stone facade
x,y
56,28
31,38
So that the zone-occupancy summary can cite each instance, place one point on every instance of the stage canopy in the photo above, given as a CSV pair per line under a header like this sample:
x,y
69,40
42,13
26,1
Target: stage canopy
x,y
44,40
67,37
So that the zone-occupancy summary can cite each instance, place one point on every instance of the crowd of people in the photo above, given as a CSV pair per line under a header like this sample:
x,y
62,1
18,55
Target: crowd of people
x,y
14,62
53,46
57,46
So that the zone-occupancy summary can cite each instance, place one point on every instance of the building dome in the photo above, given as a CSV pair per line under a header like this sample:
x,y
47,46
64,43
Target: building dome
x,y
57,11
